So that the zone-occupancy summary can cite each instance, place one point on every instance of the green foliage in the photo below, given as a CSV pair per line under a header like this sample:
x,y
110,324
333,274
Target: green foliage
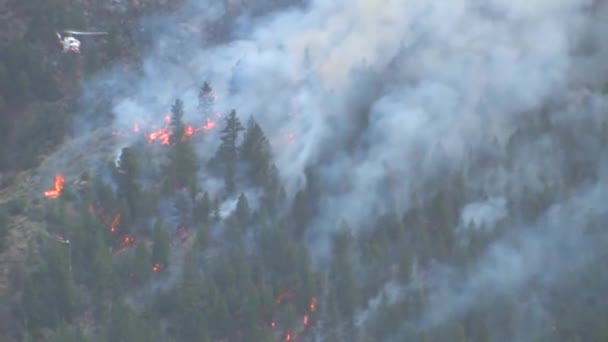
x,y
183,165
126,173
227,153
50,295
256,152
242,211
161,245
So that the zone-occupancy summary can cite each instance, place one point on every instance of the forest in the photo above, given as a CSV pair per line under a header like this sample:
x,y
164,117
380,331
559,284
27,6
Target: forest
x,y
193,230
149,254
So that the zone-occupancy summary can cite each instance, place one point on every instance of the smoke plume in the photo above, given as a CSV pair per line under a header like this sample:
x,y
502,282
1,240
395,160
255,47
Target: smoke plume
x,y
386,98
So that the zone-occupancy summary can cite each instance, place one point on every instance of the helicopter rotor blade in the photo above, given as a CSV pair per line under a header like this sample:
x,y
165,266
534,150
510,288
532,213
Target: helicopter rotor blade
x,y
85,33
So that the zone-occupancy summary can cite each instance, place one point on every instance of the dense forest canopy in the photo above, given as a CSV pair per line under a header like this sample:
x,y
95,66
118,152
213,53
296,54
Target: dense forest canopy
x,y
403,171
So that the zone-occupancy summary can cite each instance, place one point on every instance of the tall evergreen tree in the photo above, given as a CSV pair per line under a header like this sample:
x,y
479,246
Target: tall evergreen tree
x,y
183,165
206,99
161,245
242,210
227,152
126,173
256,152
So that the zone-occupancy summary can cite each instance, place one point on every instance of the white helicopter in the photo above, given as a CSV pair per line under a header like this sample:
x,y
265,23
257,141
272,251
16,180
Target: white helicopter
x,y
70,44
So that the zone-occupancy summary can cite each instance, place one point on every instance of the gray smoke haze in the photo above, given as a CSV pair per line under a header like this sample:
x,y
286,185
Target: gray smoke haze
x,y
394,95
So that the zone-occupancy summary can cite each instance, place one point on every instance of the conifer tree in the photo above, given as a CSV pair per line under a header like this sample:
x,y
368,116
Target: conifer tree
x,y
126,173
227,152
161,245
256,152
242,210
206,100
183,165
202,209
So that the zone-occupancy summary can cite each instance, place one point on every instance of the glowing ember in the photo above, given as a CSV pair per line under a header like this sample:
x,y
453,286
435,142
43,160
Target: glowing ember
x,y
115,223
305,320
54,193
189,131
273,324
313,304
209,125
128,240
157,267
163,134
290,336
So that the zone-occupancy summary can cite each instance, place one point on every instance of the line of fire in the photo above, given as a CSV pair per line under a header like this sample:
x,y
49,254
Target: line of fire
x,y
182,233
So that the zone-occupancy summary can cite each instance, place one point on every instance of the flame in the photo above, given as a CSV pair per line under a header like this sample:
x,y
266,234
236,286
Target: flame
x,y
54,193
290,336
313,304
305,320
163,134
128,240
160,134
210,124
157,267
189,131
273,324
115,223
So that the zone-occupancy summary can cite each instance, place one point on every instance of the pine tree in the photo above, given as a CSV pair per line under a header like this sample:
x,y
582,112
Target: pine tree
x,y
161,245
140,264
242,210
227,152
192,309
206,99
256,152
102,274
126,173
178,128
183,165
202,209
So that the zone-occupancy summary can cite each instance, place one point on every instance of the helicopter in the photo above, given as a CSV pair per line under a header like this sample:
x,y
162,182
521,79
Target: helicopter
x,y
70,44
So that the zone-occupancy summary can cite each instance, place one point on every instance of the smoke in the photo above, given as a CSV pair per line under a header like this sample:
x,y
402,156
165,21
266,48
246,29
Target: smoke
x,y
385,99
533,258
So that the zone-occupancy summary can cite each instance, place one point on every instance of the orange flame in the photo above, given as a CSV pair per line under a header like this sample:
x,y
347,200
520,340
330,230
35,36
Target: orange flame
x,y
115,223
54,193
290,336
313,304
